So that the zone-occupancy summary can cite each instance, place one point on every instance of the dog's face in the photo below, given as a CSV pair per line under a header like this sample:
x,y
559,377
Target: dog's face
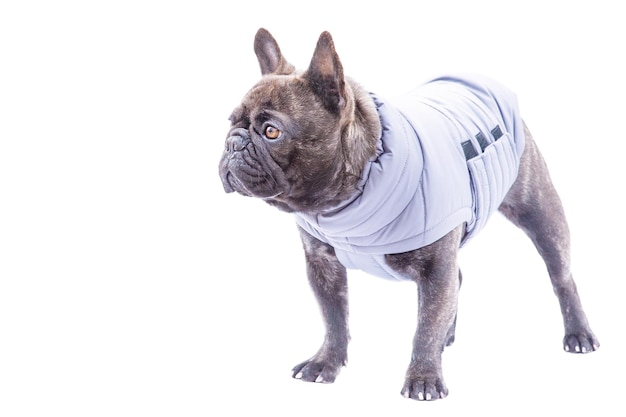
x,y
286,142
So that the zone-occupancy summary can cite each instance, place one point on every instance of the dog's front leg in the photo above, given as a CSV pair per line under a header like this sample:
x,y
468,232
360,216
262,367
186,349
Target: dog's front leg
x,y
434,268
328,279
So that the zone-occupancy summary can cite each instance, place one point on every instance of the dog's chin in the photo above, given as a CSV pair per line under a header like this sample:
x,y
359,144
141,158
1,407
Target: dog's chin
x,y
263,188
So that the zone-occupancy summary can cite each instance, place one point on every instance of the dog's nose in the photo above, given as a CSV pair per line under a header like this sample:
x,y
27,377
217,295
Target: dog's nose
x,y
237,140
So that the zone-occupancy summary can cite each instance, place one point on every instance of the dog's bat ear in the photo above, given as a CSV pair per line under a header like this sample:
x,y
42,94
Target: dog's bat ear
x,y
325,74
271,60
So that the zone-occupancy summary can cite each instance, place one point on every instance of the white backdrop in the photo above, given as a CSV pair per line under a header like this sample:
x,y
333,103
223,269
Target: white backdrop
x,y
132,285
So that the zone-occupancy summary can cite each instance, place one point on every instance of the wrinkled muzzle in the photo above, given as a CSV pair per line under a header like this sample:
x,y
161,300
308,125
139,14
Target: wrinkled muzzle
x,y
249,169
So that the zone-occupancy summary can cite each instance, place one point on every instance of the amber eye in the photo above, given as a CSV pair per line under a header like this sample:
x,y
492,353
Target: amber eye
x,y
272,133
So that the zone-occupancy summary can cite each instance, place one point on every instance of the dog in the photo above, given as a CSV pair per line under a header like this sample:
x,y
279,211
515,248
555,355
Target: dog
x,y
394,188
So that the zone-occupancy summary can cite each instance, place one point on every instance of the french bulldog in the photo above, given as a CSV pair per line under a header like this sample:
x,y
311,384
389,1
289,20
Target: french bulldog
x,y
394,188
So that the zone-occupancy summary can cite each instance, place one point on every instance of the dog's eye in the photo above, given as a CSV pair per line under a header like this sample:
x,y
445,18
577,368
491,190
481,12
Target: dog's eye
x,y
272,133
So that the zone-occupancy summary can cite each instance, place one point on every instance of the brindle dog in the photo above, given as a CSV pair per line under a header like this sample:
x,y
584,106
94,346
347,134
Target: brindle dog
x,y
300,140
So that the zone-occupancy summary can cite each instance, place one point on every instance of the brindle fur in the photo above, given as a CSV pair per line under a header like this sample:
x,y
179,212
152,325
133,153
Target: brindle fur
x,y
331,128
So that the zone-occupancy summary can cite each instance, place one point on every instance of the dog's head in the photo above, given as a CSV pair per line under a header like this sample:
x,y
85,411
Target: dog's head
x,y
293,140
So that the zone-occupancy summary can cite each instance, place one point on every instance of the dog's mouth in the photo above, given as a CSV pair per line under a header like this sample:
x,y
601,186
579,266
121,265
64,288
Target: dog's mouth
x,y
247,182
231,183
228,188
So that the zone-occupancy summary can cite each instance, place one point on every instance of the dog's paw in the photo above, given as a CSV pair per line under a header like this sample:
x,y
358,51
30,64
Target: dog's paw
x,y
425,389
317,371
580,343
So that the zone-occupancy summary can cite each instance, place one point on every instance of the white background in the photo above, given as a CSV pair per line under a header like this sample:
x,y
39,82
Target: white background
x,y
132,285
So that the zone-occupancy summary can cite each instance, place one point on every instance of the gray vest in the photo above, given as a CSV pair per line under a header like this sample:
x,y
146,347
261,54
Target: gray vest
x,y
448,154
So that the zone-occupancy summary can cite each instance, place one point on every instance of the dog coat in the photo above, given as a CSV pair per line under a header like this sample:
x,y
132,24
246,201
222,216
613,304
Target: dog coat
x,y
448,154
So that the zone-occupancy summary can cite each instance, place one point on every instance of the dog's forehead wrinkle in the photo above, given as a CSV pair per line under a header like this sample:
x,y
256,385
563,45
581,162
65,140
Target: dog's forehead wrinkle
x,y
263,116
280,91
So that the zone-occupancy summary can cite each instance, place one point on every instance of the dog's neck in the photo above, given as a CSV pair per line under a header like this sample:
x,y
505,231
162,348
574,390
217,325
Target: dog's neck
x,y
361,129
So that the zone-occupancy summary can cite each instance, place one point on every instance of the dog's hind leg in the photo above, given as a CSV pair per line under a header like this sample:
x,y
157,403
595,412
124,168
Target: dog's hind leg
x,y
534,205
